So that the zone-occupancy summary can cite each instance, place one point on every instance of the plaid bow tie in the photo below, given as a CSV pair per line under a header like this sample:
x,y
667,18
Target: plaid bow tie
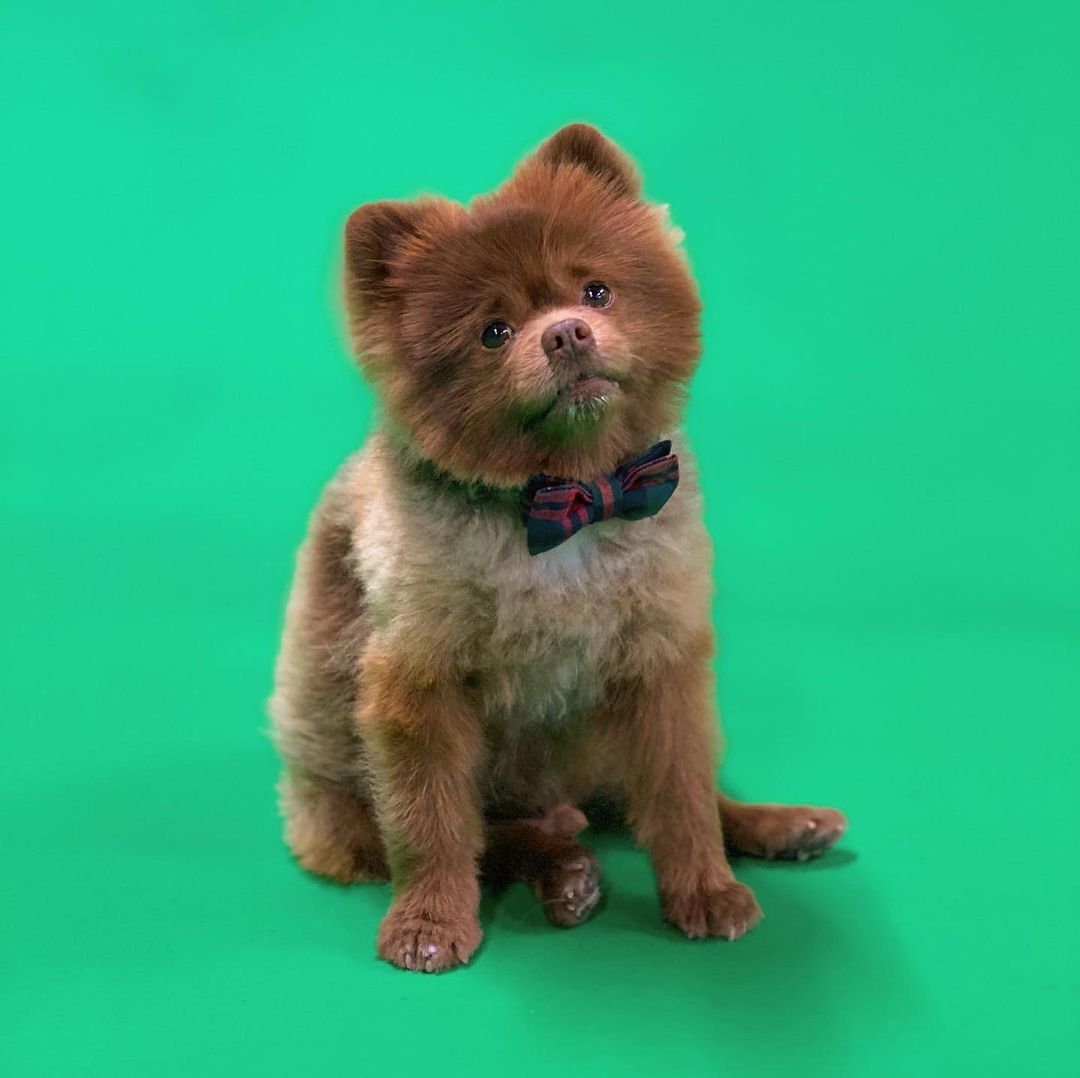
x,y
554,509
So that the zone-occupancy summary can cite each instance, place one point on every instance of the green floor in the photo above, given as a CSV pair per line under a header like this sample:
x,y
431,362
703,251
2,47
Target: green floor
x,y
881,206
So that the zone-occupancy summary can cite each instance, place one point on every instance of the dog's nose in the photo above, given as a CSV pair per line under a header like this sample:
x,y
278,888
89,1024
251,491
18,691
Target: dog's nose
x,y
570,339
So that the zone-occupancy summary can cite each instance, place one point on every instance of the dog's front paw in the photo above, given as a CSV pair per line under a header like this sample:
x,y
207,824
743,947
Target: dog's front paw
x,y
410,940
728,910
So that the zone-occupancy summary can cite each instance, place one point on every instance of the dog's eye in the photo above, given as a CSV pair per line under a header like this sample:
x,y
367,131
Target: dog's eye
x,y
496,335
596,294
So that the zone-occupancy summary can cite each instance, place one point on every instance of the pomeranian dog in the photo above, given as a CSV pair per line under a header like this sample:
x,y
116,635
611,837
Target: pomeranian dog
x,y
502,609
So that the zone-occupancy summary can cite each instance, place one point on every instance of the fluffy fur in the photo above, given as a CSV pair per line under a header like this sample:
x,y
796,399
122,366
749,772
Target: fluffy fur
x,y
445,704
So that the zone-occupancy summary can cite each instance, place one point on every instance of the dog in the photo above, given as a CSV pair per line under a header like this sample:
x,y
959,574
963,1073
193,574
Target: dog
x,y
501,611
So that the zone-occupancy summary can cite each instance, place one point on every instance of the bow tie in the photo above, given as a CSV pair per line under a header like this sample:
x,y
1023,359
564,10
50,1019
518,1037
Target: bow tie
x,y
555,509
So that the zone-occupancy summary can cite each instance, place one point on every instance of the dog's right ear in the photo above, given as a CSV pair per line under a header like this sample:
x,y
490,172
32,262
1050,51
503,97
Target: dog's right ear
x,y
583,146
379,235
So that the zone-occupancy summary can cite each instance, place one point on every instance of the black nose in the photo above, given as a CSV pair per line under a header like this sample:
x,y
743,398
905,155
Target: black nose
x,y
571,339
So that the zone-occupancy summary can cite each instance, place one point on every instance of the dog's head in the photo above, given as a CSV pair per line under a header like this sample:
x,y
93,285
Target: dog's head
x,y
550,327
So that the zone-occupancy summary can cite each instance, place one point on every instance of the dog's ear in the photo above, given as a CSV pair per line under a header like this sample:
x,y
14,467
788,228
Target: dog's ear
x,y
584,146
379,234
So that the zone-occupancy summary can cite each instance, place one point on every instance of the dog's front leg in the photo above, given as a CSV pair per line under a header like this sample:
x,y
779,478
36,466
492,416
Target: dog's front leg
x,y
664,723
424,742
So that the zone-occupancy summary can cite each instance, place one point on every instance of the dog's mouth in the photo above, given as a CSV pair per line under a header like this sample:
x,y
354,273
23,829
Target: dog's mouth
x,y
587,386
583,399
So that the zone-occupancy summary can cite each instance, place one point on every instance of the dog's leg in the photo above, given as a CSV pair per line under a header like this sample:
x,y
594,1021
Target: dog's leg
x,y
332,831
786,832
425,743
664,735
563,874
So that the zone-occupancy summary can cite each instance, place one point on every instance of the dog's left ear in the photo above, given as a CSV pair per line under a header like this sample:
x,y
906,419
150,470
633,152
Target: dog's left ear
x,y
584,146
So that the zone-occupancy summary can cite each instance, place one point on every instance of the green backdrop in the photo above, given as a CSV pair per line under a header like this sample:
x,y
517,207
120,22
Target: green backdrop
x,y
881,204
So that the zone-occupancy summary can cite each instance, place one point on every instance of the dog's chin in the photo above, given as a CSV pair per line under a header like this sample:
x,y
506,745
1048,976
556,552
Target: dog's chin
x,y
578,411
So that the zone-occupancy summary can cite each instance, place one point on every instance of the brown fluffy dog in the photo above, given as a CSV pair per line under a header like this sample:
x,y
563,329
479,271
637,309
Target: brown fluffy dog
x,y
445,702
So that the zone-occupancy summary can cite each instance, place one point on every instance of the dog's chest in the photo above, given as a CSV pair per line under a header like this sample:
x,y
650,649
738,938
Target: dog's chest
x,y
556,626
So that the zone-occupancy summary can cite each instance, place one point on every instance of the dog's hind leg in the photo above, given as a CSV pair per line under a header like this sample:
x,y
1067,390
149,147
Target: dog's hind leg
x,y
779,832
563,874
332,832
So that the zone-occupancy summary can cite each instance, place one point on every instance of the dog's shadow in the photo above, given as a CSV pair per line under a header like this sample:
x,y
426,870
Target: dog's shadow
x,y
822,952
212,868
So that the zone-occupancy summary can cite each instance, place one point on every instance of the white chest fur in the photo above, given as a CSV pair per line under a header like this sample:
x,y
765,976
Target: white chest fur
x,y
545,634
554,629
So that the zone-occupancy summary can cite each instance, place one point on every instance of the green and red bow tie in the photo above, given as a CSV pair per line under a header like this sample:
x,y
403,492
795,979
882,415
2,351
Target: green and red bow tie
x,y
555,509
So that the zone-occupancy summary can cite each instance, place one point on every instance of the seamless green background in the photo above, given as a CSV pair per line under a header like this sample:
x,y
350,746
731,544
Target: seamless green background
x,y
881,204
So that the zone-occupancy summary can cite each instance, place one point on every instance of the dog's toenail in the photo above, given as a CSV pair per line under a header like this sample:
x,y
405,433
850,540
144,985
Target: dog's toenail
x,y
431,948
803,855
811,824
